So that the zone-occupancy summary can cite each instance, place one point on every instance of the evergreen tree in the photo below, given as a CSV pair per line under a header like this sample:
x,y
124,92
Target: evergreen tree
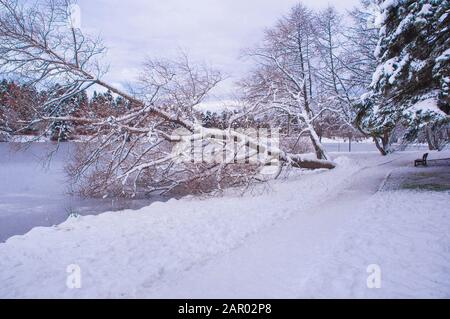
x,y
410,86
77,105
5,129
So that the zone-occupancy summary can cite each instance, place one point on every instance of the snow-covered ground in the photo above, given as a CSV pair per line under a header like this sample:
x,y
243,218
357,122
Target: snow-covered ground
x,y
312,235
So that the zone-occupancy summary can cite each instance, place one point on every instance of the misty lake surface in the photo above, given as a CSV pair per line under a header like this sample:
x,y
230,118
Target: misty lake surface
x,y
34,192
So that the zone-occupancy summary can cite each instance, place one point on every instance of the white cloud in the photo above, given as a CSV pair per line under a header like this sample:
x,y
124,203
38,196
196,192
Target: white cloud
x,y
211,30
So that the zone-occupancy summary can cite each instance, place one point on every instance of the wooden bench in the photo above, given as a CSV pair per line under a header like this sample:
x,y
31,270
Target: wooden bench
x,y
422,161
434,162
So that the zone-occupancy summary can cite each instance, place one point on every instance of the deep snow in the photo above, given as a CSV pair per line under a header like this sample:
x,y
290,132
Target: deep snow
x,y
312,235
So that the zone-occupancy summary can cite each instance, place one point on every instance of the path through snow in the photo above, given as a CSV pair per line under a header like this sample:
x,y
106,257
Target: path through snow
x,y
324,251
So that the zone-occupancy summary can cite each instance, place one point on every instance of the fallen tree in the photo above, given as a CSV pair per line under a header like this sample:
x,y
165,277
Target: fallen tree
x,y
140,151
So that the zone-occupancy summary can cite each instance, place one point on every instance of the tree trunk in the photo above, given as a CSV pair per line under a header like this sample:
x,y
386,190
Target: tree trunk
x,y
289,125
299,162
379,146
431,139
318,148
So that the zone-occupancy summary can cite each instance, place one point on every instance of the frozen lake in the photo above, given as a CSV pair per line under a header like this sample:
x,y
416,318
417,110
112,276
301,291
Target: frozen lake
x,y
32,194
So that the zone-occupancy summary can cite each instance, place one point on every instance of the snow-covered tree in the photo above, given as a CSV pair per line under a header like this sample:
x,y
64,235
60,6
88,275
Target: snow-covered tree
x,y
338,80
281,83
60,130
410,86
362,38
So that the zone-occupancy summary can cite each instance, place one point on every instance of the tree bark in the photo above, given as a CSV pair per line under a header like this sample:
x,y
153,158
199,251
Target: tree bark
x,y
431,140
301,162
379,146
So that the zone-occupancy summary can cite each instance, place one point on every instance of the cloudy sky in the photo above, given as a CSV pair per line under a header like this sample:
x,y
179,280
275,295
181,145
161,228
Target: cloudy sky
x,y
214,31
